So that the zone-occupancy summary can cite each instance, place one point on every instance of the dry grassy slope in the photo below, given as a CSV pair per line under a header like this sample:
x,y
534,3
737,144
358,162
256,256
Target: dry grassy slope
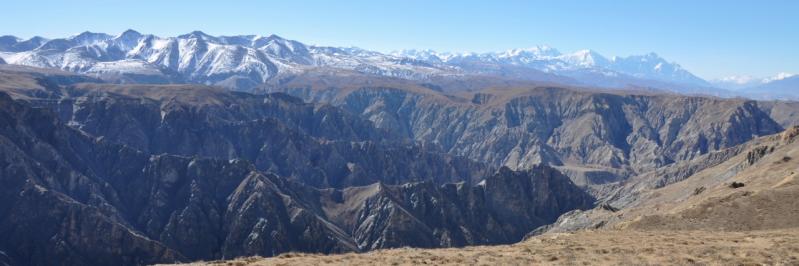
x,y
30,83
583,248
22,82
706,200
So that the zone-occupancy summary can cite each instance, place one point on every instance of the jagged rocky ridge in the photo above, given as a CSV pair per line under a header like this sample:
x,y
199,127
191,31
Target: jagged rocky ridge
x,y
318,145
596,137
72,196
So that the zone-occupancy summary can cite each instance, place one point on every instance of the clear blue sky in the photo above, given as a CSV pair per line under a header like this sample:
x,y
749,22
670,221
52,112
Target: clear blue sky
x,y
710,38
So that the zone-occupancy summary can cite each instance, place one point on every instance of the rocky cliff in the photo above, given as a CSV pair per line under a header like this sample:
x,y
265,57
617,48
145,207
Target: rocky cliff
x,y
106,176
317,144
614,135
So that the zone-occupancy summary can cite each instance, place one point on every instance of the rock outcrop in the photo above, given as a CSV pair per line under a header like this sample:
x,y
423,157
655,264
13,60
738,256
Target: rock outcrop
x,y
586,133
500,209
54,208
746,187
80,199
316,144
135,174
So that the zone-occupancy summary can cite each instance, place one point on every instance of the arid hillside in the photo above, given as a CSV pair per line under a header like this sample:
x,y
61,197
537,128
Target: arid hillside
x,y
602,247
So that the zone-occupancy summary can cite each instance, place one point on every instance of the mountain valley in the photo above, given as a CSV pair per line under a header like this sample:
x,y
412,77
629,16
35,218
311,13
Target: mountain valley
x,y
135,149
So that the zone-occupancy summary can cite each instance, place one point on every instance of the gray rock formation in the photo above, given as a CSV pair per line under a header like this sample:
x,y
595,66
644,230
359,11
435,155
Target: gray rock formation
x,y
786,113
79,199
136,174
318,145
585,133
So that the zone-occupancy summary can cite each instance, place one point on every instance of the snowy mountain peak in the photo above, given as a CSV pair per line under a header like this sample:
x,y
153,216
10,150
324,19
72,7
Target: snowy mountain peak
x,y
261,41
129,34
650,58
737,79
586,58
244,61
89,38
197,34
652,66
420,54
283,48
127,40
742,82
204,37
537,52
746,79
779,76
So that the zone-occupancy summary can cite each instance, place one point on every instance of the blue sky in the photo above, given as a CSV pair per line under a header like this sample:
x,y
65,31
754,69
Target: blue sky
x,y
710,38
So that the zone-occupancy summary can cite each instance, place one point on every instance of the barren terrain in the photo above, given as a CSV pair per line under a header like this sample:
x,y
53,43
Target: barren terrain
x,y
775,247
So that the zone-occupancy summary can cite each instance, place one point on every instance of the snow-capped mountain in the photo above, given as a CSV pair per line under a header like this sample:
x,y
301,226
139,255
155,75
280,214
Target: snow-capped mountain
x,y
652,66
778,77
736,82
246,61
580,64
744,82
786,87
780,86
232,61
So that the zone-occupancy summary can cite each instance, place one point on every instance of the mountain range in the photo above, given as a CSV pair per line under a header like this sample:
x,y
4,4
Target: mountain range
x,y
580,65
327,162
243,62
135,149
782,86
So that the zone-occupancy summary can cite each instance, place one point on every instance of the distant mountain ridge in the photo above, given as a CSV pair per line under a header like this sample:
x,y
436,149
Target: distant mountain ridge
x,y
648,67
245,61
231,61
784,88
780,86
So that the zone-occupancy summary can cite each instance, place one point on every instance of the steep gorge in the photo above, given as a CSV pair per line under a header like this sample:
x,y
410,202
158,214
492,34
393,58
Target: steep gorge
x,y
103,174
596,137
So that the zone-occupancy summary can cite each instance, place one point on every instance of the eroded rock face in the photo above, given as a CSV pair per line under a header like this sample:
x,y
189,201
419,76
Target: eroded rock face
x,y
620,134
53,207
318,145
761,162
187,173
500,209
70,197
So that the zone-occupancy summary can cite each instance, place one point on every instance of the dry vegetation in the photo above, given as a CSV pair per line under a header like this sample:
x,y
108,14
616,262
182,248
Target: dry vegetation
x,y
604,247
